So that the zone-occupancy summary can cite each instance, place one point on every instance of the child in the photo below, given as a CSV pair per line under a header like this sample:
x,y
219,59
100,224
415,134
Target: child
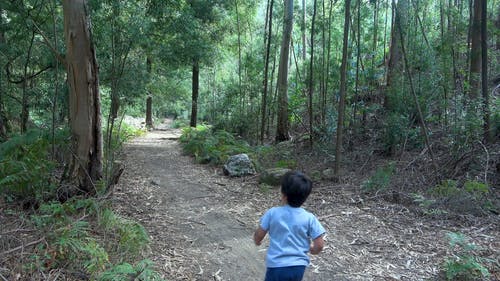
x,y
291,230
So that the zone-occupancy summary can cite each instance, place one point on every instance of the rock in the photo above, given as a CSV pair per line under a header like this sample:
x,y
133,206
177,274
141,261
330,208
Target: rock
x,y
273,176
238,165
328,174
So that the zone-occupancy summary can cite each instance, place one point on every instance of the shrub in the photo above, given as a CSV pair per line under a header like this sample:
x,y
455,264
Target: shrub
x,y
380,180
142,272
465,263
130,235
211,147
70,243
25,168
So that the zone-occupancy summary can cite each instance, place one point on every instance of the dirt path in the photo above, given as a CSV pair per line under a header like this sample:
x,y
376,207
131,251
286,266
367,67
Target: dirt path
x,y
201,223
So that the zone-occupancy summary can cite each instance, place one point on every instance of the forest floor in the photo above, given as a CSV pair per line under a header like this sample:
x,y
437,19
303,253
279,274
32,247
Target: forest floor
x,y
201,223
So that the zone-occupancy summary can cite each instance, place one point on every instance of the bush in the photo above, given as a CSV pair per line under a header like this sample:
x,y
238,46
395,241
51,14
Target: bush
x,y
72,245
465,263
142,272
211,147
380,180
25,167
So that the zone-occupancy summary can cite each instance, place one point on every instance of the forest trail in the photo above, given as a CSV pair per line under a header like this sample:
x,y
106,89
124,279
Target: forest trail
x,y
197,231
201,222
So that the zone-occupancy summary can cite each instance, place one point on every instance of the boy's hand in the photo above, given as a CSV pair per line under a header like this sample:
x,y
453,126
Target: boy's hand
x,y
259,235
317,245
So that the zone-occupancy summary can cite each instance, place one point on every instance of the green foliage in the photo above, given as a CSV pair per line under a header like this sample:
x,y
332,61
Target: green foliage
x,y
142,271
130,236
396,132
447,188
427,205
476,188
290,164
380,180
465,264
211,147
71,243
25,168
180,123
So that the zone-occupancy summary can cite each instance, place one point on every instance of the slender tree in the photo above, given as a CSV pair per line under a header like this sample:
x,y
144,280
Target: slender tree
x,y
195,86
266,71
484,72
311,74
3,118
85,167
282,133
149,98
343,87
475,55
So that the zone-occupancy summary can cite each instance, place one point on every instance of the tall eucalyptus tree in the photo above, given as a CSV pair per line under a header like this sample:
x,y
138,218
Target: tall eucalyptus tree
x,y
85,167
282,131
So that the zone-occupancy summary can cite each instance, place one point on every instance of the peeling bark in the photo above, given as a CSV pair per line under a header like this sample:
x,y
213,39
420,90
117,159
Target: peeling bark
x,y
85,167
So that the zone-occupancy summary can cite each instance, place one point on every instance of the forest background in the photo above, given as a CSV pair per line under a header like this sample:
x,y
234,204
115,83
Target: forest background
x,y
408,79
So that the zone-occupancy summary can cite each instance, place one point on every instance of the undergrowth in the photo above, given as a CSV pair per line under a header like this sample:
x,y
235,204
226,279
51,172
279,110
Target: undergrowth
x,y
465,262
84,235
26,168
211,147
81,235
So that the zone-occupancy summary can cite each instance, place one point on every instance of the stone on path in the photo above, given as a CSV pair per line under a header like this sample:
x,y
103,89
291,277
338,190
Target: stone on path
x,y
239,165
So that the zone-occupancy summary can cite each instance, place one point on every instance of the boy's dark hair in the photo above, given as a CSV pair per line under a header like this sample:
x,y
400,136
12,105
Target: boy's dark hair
x,y
297,187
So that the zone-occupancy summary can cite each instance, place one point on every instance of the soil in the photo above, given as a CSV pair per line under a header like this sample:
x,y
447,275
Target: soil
x,y
201,223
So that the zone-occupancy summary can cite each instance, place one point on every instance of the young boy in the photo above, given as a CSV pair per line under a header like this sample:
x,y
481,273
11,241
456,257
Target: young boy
x,y
291,229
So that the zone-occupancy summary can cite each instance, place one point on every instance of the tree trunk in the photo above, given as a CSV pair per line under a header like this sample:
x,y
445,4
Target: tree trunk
x,y
343,87
149,112
3,119
282,133
266,73
149,98
303,31
484,72
327,73
56,79
240,90
394,64
85,167
375,31
475,56
25,99
358,57
311,78
194,97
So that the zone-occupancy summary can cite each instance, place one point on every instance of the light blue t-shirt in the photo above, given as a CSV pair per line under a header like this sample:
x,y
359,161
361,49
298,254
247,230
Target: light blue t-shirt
x,y
291,231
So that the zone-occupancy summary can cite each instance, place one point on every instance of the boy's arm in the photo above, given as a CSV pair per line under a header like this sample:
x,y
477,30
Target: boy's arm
x,y
317,245
259,235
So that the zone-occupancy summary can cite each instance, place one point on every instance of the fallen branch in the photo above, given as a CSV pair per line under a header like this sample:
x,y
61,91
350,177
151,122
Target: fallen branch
x,y
22,246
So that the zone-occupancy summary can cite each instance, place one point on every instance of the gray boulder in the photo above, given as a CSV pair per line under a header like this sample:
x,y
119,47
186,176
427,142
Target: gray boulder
x,y
273,176
238,165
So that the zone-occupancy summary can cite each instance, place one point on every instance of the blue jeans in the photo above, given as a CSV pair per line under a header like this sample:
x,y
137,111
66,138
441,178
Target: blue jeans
x,y
289,273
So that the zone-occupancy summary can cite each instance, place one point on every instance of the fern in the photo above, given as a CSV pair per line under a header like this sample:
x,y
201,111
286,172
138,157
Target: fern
x,y
143,271
465,263
211,147
25,171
